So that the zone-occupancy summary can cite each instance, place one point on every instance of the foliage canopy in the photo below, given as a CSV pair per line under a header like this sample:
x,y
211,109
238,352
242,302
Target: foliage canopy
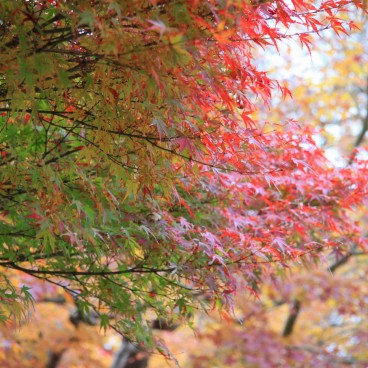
x,y
133,172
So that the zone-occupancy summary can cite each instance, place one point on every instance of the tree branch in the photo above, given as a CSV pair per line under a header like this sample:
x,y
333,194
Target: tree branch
x,y
364,129
296,305
30,271
290,322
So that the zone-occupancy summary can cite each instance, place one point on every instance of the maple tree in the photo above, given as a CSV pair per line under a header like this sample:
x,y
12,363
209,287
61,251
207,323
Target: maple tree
x,y
333,94
312,317
134,174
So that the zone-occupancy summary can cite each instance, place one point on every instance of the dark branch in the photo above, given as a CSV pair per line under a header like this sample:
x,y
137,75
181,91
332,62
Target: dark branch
x,y
364,130
30,271
290,322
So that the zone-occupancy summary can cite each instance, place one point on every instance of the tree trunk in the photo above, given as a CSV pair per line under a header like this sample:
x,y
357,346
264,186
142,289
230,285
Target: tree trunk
x,y
130,356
